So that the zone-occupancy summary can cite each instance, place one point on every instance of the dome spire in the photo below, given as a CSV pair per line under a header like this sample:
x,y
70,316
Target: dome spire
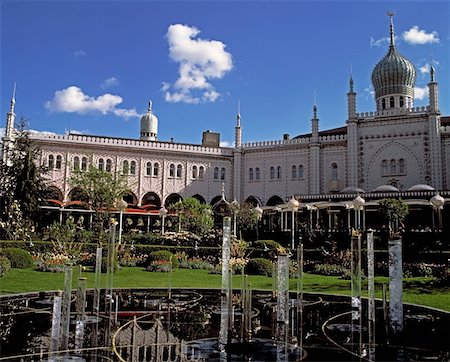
x,y
150,106
391,28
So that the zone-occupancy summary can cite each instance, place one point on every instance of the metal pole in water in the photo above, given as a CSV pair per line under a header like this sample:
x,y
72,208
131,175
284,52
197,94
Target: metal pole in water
x,y
395,287
225,292
65,320
56,325
300,296
80,306
282,306
109,277
356,291
371,292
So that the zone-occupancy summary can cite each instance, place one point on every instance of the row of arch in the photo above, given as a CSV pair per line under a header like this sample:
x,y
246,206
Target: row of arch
x,y
297,172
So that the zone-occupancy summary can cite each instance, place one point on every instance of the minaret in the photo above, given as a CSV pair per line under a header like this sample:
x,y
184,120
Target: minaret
x,y
352,137
9,131
314,154
433,92
238,129
315,125
237,158
351,100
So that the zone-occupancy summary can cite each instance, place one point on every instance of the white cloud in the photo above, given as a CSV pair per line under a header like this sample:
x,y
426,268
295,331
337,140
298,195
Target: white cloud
x,y
79,53
73,100
200,61
418,36
424,69
110,82
226,144
420,93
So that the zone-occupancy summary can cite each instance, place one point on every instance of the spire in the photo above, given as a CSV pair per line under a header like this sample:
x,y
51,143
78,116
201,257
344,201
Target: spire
x,y
13,99
432,74
239,115
350,82
150,106
315,106
391,28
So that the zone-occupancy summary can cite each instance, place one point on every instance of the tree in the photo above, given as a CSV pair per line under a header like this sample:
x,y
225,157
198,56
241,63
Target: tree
x,y
101,189
394,212
194,216
22,179
246,217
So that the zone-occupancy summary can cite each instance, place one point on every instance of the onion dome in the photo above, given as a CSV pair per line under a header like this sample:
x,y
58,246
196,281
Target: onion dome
x,y
149,125
394,74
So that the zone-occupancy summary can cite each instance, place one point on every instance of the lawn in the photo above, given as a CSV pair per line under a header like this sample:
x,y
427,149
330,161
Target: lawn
x,y
416,290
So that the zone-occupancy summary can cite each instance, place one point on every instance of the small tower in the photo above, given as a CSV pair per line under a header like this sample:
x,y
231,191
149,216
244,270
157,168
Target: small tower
x,y
149,125
315,125
351,100
238,129
433,92
9,131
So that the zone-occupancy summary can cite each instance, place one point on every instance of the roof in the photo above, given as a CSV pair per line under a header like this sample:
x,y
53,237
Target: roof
x,y
328,132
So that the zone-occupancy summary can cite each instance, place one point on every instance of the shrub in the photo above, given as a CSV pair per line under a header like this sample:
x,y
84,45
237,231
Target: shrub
x,y
329,269
105,265
259,266
19,258
267,248
159,266
162,255
195,264
5,265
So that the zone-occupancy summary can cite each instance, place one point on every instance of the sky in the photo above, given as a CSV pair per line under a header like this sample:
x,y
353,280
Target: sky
x,y
92,66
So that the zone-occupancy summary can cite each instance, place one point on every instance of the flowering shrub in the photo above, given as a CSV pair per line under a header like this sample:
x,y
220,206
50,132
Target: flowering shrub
x,y
159,266
51,262
329,269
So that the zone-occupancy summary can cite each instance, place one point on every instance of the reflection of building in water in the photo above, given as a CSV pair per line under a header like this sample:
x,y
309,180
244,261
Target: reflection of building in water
x,y
136,344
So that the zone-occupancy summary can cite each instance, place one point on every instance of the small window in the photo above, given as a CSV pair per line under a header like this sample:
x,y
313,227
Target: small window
x,y
58,162
194,172
148,169
391,102
125,167
402,101
133,168
76,163
222,173
384,168
279,172
272,173
401,166
179,171
216,173
300,171
84,164
393,167
172,170
101,164
294,172
257,174
334,171
155,169
250,174
108,165
51,162
201,172
383,104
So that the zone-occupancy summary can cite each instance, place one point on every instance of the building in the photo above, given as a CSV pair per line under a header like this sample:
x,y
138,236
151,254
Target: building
x,y
396,149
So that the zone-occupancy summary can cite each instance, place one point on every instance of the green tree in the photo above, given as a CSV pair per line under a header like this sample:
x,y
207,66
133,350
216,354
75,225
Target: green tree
x,y
394,212
102,190
22,179
246,217
193,216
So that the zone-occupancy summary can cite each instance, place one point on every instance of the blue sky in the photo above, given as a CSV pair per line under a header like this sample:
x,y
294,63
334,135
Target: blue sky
x,y
92,66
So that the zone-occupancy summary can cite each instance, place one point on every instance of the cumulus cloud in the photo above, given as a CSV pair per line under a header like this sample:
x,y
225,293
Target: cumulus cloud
x,y
417,36
226,144
200,61
420,93
110,82
79,53
424,69
73,100
379,42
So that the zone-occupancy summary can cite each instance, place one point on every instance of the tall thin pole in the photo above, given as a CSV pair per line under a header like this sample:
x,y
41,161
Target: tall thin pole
x,y
371,292
225,293
65,321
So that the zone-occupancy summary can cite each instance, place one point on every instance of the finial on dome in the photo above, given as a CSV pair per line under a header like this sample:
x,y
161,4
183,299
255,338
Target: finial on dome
x,y
150,106
238,117
391,27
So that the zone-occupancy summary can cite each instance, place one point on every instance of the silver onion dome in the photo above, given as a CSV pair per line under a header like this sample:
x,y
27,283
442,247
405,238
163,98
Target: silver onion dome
x,y
394,74
149,125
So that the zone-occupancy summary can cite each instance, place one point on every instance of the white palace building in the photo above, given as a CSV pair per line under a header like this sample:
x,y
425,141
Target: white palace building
x,y
396,150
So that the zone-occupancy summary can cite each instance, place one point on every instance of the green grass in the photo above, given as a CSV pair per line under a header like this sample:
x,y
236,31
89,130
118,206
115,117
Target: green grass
x,y
416,290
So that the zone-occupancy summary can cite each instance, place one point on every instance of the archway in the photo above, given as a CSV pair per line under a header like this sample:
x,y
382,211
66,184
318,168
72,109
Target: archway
x,y
130,198
200,198
274,201
151,201
77,194
253,200
172,199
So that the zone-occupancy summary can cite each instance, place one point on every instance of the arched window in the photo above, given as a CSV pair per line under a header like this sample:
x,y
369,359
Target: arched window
x,y
402,101
101,164
51,162
222,173
216,173
257,174
393,167
179,171
300,171
155,169
334,171
172,170
391,102
272,173
108,165
58,162
201,172
76,163
84,164
125,167
383,104
250,174
294,172
384,168
401,166
279,172
133,168
148,169
194,171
